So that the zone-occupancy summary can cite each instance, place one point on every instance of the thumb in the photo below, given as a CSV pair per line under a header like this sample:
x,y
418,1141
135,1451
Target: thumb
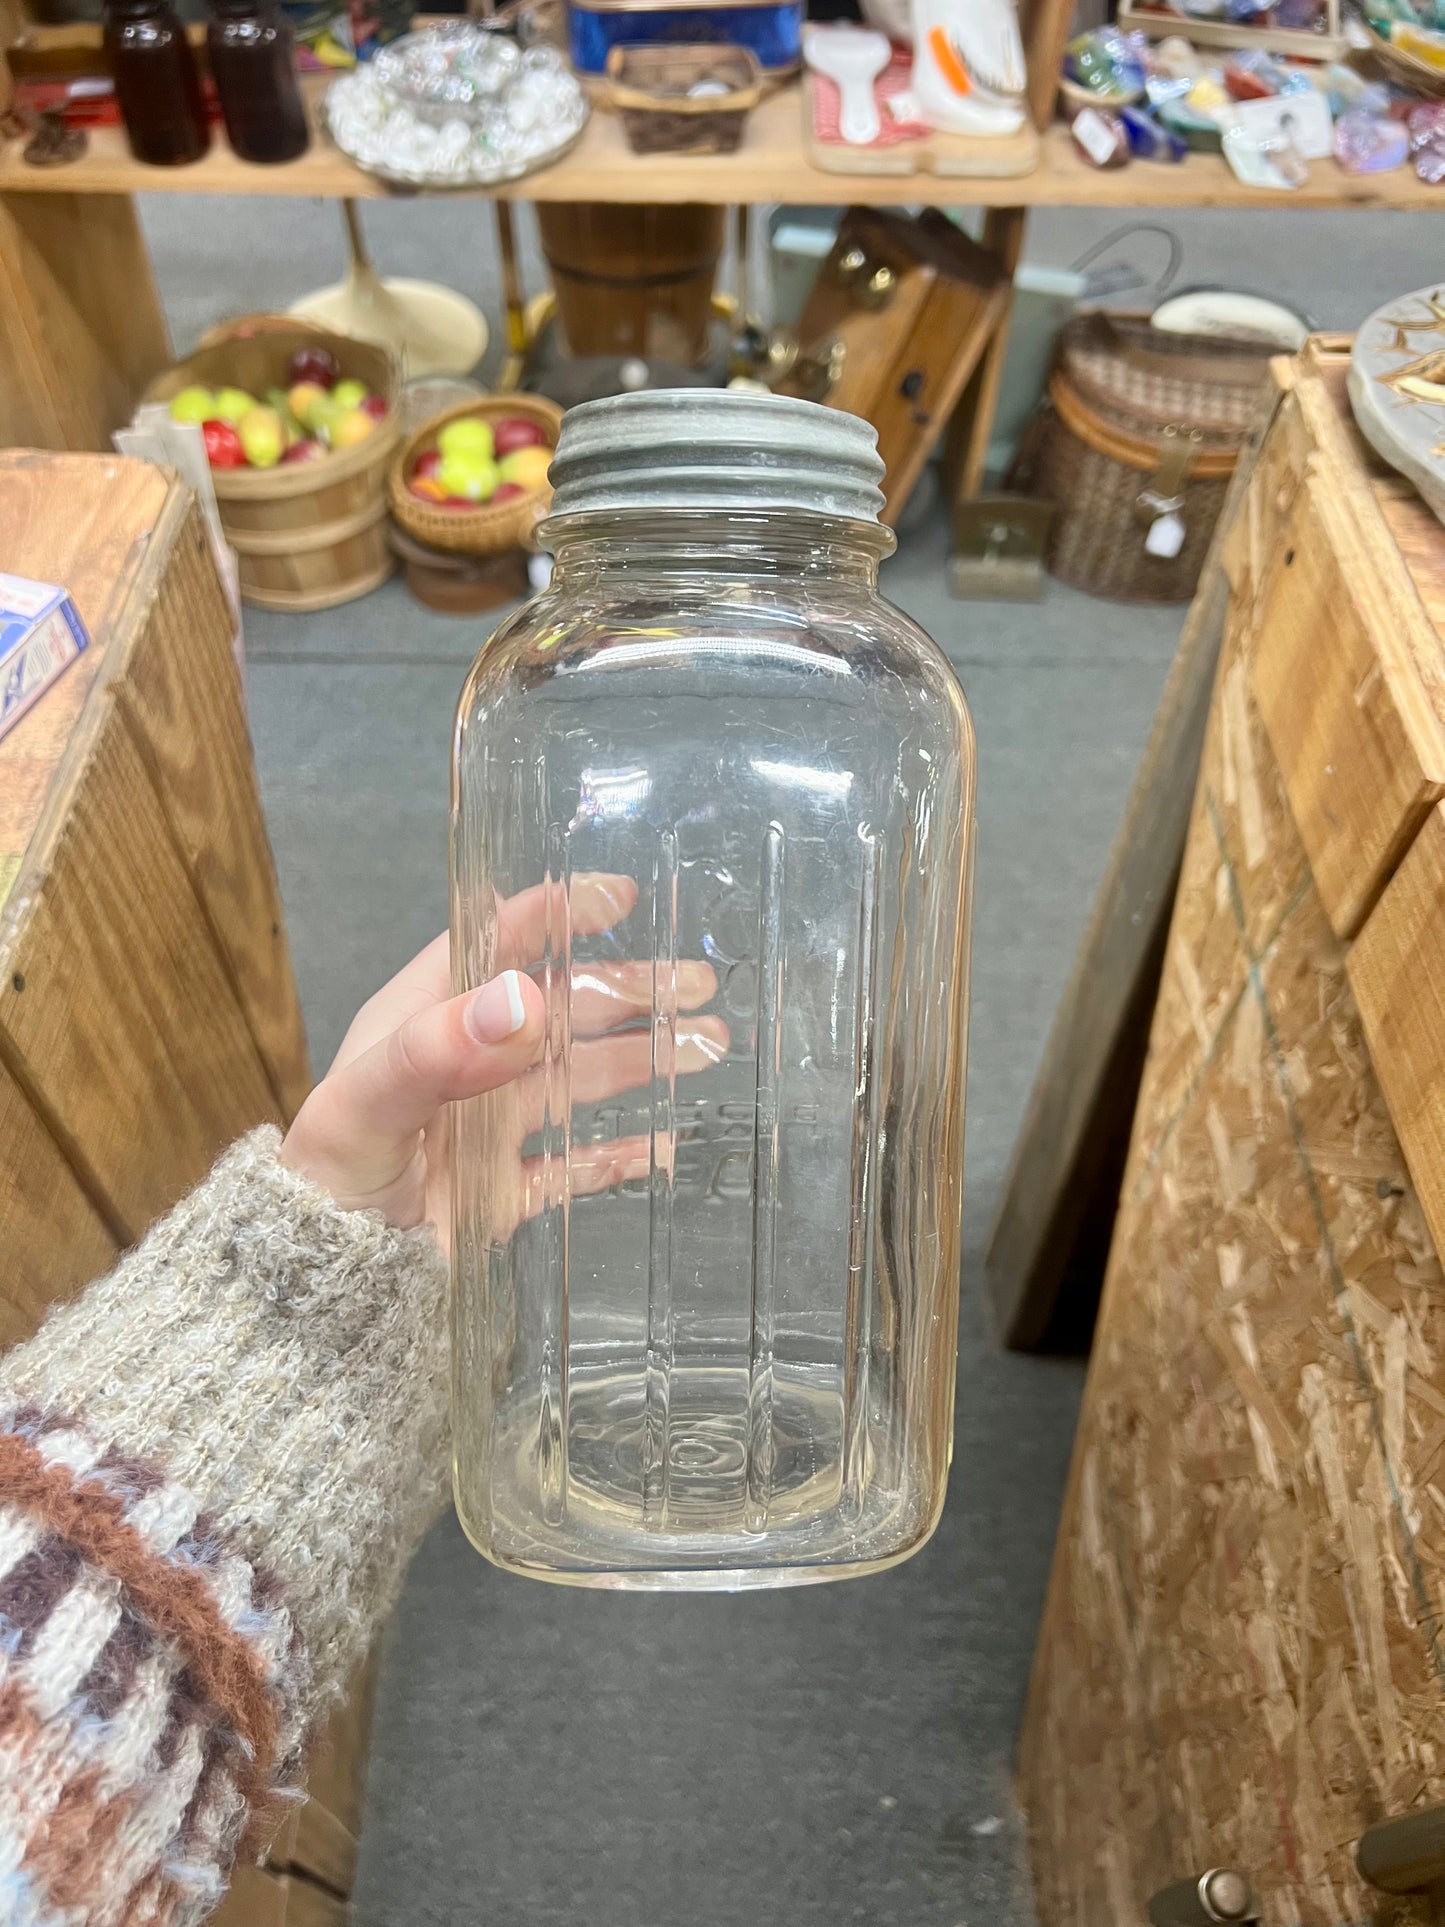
x,y
356,1135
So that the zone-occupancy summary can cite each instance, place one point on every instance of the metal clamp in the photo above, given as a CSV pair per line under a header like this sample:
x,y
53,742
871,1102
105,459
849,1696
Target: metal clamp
x,y
1222,1895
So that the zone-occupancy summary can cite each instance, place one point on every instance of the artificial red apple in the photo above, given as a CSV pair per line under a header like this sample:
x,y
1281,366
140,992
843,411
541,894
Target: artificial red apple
x,y
513,432
223,445
426,464
507,491
306,450
314,364
375,406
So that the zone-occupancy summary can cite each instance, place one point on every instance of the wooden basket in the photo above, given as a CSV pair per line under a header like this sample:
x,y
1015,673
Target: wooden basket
x,y
649,87
1413,73
312,534
1119,394
485,529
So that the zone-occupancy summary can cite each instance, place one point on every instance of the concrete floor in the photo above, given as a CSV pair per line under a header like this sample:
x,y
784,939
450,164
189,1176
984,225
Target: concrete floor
x,y
549,1757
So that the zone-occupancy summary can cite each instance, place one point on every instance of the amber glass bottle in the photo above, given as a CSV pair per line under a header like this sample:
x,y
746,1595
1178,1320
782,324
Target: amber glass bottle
x,y
249,45
156,84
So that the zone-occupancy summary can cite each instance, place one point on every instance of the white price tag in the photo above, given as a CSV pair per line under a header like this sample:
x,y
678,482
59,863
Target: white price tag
x,y
1166,537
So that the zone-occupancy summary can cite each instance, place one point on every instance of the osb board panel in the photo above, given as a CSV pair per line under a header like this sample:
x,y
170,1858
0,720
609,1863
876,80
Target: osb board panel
x,y
1240,1657
1397,972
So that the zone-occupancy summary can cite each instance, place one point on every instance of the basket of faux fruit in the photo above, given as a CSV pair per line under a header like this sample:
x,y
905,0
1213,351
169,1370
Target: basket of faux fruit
x,y
299,425
474,478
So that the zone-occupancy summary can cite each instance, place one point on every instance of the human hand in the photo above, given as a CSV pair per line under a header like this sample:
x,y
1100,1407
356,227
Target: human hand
x,y
375,1131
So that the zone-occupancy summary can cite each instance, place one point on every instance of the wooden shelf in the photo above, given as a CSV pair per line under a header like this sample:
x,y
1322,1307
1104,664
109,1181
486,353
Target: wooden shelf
x,y
771,165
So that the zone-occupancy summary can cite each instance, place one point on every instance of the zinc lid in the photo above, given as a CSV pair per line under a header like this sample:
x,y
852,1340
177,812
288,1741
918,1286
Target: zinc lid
x,y
705,448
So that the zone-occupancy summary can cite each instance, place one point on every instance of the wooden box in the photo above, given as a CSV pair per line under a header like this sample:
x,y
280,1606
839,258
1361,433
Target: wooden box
x,y
1241,1661
911,303
148,1014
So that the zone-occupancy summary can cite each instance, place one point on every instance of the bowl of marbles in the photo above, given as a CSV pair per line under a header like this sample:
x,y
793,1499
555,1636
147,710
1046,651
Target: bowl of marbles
x,y
458,105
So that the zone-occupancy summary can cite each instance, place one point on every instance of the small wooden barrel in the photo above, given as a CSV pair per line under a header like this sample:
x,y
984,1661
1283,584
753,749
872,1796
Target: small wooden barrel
x,y
311,534
633,280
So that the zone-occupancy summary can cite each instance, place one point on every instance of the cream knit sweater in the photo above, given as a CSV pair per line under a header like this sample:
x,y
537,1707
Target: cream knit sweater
x,y
214,1466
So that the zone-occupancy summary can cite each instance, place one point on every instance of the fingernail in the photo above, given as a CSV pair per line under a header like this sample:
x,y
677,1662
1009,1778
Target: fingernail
x,y
497,1011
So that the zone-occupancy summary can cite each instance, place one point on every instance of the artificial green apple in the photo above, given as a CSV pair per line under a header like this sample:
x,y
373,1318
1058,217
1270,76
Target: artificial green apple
x,y
474,476
349,394
467,435
231,404
263,436
194,404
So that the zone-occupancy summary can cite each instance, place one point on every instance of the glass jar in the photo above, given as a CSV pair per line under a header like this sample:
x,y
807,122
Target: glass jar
x,y
716,794
156,85
250,50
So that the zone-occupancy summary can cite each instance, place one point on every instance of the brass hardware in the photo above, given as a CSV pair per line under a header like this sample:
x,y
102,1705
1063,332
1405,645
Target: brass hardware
x,y
1222,1895
817,371
1406,1854
873,283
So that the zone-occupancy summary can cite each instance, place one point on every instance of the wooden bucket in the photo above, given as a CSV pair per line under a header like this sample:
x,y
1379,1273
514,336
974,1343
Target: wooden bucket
x,y
311,535
633,280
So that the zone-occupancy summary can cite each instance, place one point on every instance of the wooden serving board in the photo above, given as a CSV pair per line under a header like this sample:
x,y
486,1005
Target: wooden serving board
x,y
962,156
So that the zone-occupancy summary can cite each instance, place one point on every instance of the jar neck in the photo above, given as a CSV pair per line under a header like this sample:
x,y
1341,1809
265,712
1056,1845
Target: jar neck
x,y
700,545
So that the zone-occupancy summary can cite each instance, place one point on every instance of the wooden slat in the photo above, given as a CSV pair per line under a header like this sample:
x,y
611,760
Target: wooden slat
x,y
1357,738
115,1012
54,1239
1058,1202
770,165
181,695
1397,972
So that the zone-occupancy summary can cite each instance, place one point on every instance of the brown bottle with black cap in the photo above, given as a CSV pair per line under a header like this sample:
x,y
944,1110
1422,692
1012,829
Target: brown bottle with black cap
x,y
157,87
250,49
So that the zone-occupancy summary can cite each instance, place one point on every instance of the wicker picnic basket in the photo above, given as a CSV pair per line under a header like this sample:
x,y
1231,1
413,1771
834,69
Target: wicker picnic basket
x,y
1135,416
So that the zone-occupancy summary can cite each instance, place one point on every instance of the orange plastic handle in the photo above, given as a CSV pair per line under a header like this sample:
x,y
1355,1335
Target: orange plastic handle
x,y
949,64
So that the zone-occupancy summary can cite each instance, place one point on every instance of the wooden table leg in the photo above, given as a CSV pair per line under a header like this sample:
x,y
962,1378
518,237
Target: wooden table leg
x,y
966,452
81,328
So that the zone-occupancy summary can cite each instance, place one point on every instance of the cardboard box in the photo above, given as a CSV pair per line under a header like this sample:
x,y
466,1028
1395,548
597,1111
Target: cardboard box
x,y
40,634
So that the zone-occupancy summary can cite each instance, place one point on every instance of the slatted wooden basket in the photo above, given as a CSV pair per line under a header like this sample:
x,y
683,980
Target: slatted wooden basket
x,y
307,535
489,527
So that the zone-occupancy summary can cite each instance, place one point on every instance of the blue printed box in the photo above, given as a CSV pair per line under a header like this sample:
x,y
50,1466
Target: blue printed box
x,y
40,634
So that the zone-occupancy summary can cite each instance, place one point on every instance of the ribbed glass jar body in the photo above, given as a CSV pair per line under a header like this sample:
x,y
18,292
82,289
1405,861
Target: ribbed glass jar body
x,y
717,794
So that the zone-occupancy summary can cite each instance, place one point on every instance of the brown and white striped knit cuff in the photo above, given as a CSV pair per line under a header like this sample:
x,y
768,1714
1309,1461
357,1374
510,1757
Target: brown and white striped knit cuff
x,y
151,1686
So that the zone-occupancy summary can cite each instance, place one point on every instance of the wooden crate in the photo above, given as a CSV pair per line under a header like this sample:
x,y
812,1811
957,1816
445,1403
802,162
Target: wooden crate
x,y
1241,1659
148,1013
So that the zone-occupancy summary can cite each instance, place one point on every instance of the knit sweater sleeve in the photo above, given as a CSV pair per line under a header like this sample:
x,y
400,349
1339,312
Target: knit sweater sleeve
x,y
214,1465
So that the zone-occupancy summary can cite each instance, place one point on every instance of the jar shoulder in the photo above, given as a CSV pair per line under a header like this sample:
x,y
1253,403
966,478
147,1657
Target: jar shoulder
x,y
842,646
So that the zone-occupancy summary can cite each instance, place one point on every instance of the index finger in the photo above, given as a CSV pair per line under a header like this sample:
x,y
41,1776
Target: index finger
x,y
596,899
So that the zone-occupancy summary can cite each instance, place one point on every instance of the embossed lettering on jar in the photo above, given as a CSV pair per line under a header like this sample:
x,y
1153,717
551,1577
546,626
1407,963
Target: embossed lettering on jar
x,y
717,795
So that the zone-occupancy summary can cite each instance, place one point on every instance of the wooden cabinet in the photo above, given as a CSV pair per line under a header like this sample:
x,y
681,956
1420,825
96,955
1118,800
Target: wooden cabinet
x,y
1240,1661
148,1014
